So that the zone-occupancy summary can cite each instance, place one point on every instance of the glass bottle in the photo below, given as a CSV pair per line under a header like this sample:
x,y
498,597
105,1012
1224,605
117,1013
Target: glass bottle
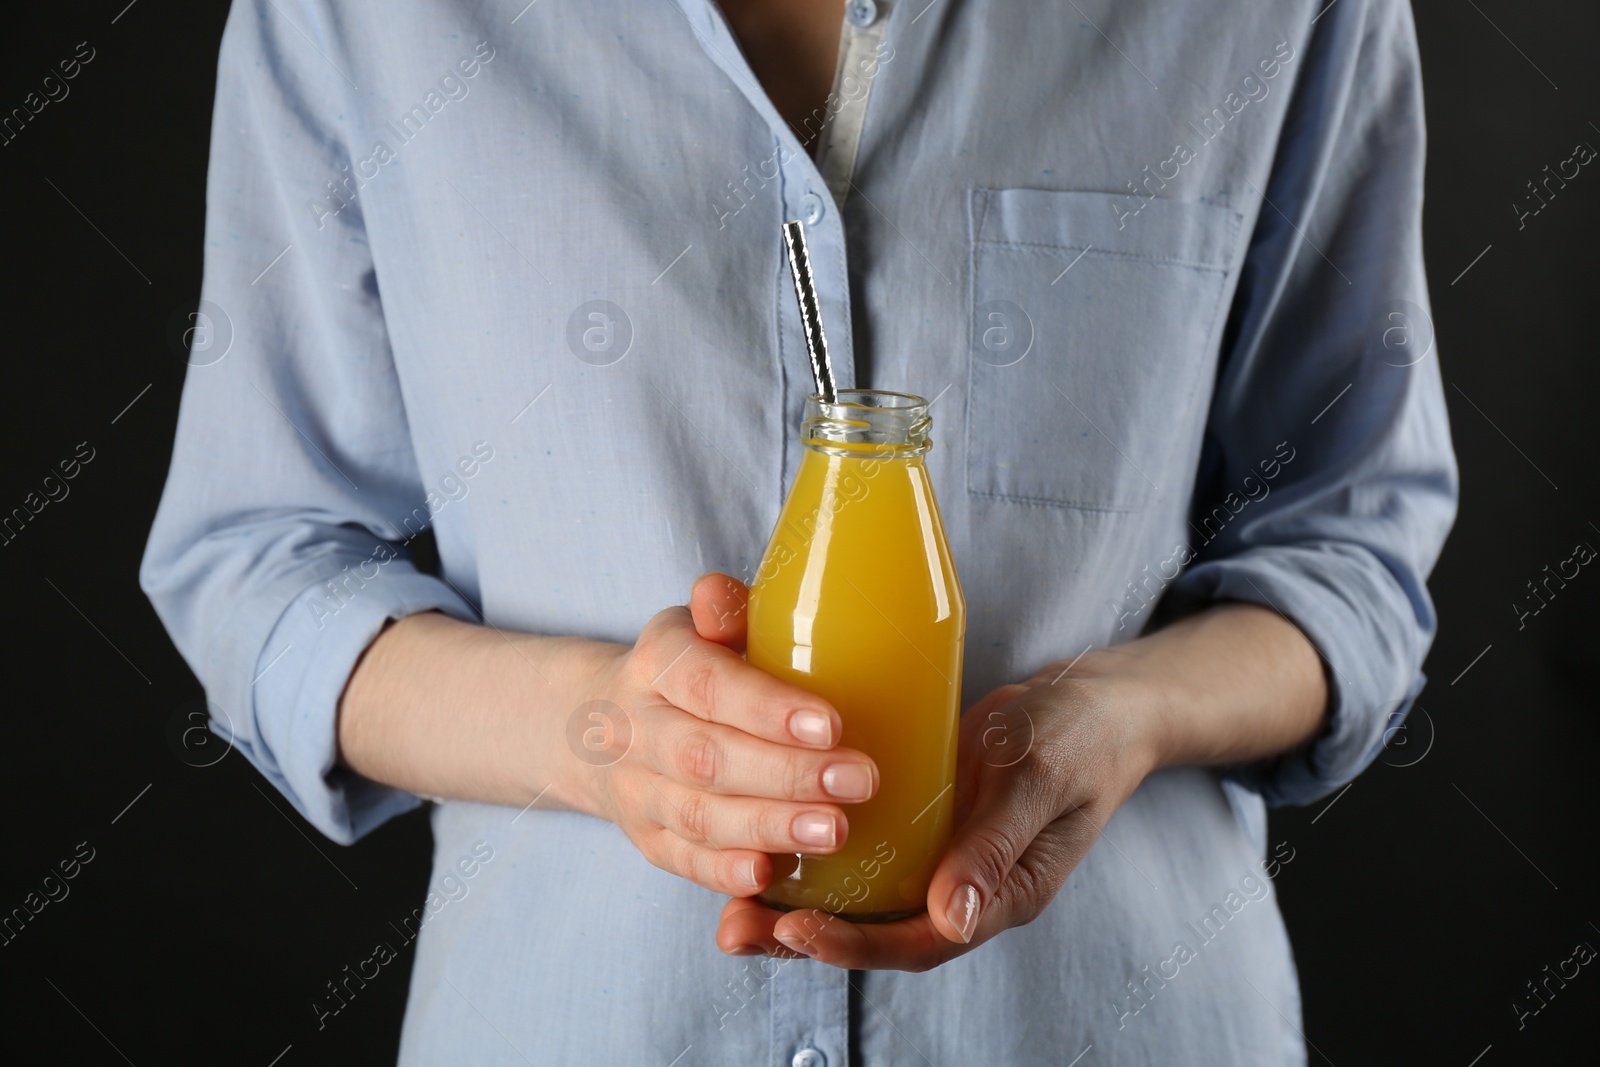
x,y
857,600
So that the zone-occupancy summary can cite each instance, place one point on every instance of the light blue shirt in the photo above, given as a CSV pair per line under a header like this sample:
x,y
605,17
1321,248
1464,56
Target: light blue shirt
x,y
516,276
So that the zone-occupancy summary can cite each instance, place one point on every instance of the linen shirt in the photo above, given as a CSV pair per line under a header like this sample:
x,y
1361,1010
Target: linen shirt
x,y
515,276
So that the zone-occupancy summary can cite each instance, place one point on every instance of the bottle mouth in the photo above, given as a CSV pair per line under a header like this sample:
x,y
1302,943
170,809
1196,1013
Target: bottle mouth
x,y
872,422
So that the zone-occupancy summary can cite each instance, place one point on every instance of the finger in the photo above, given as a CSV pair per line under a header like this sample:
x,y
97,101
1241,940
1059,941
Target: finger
x,y
731,872
714,683
745,928
906,944
724,822
973,895
721,759
718,605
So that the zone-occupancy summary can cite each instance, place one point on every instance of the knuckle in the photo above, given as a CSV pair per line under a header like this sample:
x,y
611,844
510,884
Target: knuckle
x,y
769,826
693,817
991,853
650,637
1029,893
703,868
1032,892
700,680
801,777
655,639
699,759
646,650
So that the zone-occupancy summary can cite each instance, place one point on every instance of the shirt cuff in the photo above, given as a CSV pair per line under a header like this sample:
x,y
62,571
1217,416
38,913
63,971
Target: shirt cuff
x,y
300,677
1336,595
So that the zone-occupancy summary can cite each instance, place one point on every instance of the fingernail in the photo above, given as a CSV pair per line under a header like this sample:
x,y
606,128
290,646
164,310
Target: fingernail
x,y
811,726
747,872
794,943
848,781
816,828
744,950
962,912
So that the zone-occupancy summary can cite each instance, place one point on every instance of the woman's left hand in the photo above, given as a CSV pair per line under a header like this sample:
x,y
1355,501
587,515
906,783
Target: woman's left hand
x,y
1041,768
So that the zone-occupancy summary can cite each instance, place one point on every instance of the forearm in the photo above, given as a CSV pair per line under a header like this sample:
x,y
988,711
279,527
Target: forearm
x,y
446,708
1232,683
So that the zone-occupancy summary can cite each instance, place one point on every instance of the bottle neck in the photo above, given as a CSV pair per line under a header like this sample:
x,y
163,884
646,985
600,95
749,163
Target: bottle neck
x,y
867,423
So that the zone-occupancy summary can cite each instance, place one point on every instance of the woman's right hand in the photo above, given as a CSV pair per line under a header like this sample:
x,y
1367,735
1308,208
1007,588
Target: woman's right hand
x,y
714,763
705,762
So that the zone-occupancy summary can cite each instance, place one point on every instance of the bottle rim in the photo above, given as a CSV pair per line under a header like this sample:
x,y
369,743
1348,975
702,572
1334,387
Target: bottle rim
x,y
871,422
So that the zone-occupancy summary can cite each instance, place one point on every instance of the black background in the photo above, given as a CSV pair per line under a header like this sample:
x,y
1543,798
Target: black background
x,y
207,920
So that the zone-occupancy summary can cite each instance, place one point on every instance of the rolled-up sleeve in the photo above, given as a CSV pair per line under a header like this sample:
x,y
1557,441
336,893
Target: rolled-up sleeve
x,y
1327,482
277,552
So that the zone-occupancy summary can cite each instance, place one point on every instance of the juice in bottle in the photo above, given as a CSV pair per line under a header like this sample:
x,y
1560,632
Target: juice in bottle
x,y
857,600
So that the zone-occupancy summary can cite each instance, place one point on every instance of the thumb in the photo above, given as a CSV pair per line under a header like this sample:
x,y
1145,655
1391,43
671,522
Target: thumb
x,y
717,604
971,887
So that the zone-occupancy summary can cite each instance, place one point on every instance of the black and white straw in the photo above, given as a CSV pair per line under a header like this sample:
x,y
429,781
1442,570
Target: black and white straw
x,y
794,240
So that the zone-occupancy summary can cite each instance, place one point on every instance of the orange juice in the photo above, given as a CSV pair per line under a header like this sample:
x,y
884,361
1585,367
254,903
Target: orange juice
x,y
857,600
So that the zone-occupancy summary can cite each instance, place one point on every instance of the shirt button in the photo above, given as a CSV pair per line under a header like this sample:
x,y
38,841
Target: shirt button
x,y
810,1057
861,13
811,208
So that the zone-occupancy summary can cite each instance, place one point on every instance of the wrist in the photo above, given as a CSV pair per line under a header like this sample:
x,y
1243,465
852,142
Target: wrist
x,y
1232,683
578,672
1139,720
1149,739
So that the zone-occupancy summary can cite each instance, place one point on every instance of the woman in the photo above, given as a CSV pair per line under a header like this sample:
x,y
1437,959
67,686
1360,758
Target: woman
x,y
514,276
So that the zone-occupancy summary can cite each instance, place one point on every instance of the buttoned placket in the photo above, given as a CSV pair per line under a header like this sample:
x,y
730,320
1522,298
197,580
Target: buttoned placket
x,y
799,179
809,1002
855,72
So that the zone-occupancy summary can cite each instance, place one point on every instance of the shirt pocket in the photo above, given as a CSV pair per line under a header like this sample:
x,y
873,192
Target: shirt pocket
x,y
1087,344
